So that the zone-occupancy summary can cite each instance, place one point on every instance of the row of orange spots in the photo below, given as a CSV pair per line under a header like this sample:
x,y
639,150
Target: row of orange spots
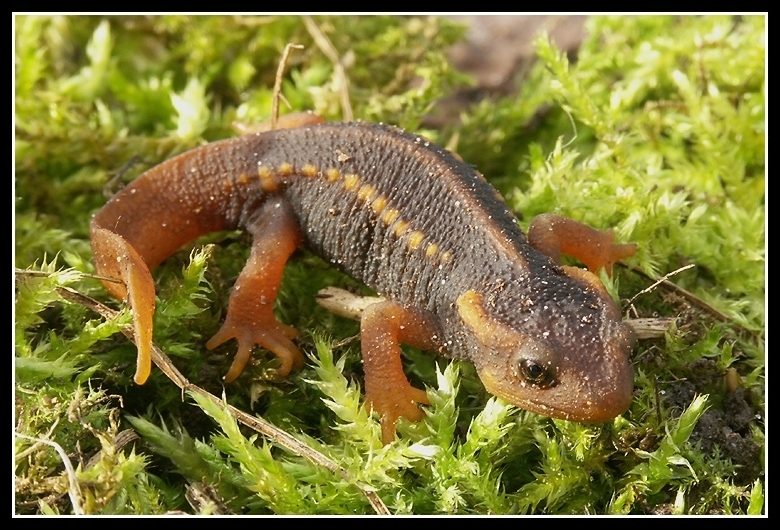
x,y
367,193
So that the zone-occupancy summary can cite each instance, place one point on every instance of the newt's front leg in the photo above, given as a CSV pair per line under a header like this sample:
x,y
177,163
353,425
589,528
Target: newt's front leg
x,y
250,319
554,235
382,327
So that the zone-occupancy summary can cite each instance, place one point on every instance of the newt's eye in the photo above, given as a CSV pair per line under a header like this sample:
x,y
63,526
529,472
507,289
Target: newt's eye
x,y
536,374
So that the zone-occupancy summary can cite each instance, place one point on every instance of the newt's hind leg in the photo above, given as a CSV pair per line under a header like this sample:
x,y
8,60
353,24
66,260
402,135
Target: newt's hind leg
x,y
382,327
250,319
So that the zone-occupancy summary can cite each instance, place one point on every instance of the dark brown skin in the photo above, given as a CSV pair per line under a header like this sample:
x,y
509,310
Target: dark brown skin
x,y
409,220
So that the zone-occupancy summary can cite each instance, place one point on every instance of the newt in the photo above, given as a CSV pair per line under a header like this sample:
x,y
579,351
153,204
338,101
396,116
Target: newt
x,y
409,220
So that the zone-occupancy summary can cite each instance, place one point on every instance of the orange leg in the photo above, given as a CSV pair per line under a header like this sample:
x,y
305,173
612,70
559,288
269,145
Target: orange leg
x,y
382,327
554,235
250,318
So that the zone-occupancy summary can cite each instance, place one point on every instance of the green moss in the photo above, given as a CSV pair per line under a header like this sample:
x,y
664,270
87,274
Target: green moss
x,y
657,130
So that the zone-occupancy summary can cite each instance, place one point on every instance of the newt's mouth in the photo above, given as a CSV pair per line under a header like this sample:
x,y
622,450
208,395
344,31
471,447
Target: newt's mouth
x,y
595,398
583,374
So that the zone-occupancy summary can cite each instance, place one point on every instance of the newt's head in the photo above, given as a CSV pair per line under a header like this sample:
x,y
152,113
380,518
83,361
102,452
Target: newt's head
x,y
565,357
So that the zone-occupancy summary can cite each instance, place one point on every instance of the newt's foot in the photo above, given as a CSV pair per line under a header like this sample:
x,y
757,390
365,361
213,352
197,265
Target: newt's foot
x,y
268,333
394,403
